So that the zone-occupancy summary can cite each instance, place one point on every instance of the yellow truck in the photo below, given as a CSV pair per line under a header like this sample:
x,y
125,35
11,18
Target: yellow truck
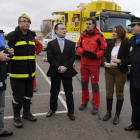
x,y
107,14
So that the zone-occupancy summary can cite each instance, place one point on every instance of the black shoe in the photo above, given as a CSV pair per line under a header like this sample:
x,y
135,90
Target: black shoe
x,y
6,134
17,122
94,111
34,89
29,117
139,136
71,117
50,113
130,128
82,107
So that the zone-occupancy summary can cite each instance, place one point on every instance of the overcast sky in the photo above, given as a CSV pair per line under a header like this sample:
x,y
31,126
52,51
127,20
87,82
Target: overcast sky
x,y
38,10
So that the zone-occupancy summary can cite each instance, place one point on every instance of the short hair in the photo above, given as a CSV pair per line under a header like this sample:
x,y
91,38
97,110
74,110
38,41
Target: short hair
x,y
19,19
138,24
90,18
56,26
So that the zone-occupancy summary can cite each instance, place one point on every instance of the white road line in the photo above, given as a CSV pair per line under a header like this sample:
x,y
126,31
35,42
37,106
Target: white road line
x,y
60,97
39,94
37,114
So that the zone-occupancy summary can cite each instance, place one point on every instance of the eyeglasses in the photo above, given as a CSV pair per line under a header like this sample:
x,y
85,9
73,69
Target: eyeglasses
x,y
24,21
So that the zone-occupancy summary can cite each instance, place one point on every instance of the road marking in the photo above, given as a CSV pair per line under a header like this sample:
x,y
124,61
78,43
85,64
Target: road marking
x,y
37,114
47,79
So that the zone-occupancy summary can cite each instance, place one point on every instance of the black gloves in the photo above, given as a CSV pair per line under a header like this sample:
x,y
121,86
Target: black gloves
x,y
92,55
89,54
86,53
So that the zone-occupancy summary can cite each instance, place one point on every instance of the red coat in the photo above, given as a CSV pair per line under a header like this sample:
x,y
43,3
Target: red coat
x,y
39,47
94,42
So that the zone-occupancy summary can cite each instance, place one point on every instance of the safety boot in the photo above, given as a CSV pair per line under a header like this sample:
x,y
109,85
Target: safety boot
x,y
26,111
109,108
17,119
94,111
83,106
118,110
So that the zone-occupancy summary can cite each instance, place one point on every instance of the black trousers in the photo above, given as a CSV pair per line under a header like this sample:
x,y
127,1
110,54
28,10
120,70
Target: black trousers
x,y
135,102
21,88
55,89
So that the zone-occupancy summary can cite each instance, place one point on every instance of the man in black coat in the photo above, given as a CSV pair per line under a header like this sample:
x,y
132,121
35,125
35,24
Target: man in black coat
x,y
61,56
135,75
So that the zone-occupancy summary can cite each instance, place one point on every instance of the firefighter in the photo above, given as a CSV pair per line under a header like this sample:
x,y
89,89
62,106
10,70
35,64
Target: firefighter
x,y
91,47
135,75
22,69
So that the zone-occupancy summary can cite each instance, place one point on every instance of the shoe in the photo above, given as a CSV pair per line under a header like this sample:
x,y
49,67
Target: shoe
x,y
50,113
94,111
131,128
83,106
17,122
34,89
71,117
107,116
139,136
29,117
6,133
116,119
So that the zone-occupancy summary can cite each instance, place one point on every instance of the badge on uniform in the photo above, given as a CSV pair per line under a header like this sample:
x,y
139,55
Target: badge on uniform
x,y
131,48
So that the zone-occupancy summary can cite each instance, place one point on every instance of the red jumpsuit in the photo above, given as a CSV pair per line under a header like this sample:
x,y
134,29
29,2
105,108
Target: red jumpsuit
x,y
95,43
38,51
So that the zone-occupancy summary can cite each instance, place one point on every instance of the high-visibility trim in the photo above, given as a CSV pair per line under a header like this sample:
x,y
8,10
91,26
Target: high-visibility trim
x,y
23,57
24,43
1,83
21,75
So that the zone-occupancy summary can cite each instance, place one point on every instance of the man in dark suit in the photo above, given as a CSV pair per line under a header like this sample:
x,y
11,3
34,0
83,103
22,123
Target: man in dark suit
x,y
61,56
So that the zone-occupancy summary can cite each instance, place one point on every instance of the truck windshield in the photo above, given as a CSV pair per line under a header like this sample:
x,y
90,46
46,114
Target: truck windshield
x,y
107,25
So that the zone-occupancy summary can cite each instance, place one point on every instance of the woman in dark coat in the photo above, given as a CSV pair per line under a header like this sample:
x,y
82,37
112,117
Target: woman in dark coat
x,y
116,59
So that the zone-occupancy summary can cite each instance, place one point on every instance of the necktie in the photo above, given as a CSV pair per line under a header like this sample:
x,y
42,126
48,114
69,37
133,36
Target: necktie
x,y
61,46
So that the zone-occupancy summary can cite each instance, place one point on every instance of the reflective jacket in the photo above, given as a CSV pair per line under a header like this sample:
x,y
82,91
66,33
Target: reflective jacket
x,y
22,65
94,42
2,66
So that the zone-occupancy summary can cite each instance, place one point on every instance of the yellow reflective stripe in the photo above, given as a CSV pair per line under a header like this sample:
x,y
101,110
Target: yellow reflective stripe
x,y
21,75
20,43
31,43
33,74
22,57
24,43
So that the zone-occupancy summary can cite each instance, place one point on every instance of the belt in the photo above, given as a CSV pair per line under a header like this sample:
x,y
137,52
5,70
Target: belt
x,y
115,67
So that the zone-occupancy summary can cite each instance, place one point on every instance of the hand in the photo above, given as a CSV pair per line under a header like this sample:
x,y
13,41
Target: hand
x,y
108,65
10,51
115,60
86,52
4,56
62,69
92,55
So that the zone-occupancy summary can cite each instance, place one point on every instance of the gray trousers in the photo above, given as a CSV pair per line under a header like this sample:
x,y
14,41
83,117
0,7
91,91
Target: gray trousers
x,y
2,107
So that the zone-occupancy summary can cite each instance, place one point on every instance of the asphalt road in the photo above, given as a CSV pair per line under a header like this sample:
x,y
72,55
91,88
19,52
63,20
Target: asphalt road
x,y
59,126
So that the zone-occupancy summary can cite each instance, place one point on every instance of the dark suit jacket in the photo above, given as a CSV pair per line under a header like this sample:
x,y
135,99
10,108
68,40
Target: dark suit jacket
x,y
57,59
123,55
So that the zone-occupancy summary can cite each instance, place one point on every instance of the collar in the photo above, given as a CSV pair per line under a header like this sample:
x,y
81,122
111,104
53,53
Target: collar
x,y
137,38
63,39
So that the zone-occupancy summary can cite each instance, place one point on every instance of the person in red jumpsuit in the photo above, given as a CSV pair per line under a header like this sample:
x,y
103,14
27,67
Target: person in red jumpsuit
x,y
91,47
38,51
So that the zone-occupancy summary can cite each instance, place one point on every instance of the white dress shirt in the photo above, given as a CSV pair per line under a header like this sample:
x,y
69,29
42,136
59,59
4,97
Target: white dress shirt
x,y
114,53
